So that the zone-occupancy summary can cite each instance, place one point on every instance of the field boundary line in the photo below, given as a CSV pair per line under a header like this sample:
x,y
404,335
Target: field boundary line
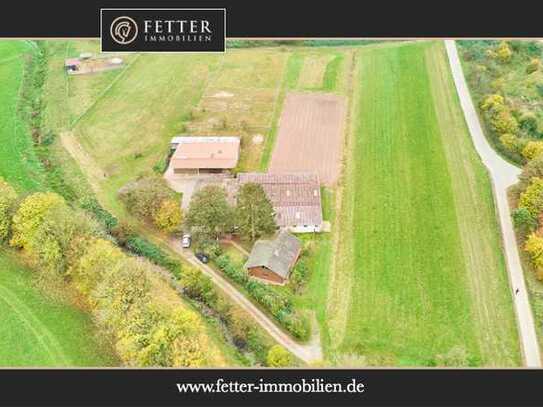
x,y
104,92
348,141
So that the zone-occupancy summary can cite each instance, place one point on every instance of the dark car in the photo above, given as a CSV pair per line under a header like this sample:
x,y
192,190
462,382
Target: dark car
x,y
204,258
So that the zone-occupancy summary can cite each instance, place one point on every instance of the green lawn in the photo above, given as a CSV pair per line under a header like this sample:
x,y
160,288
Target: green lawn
x,y
419,277
36,331
18,164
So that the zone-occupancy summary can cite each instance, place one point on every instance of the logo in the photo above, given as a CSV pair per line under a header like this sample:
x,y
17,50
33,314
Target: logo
x,y
163,30
123,30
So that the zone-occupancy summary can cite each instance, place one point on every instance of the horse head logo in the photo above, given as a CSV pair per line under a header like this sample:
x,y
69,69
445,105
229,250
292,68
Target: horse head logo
x,y
123,30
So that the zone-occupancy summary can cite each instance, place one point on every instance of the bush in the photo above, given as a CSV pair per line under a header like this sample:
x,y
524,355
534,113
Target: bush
x,y
199,287
532,198
533,66
299,276
503,121
512,143
504,52
528,122
533,149
103,216
524,220
8,198
168,216
143,247
534,246
144,196
278,357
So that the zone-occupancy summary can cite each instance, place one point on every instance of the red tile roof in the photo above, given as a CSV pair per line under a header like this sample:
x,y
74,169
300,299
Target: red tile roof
x,y
206,152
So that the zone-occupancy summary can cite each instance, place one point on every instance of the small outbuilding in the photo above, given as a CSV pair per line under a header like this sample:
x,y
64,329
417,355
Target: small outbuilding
x,y
272,260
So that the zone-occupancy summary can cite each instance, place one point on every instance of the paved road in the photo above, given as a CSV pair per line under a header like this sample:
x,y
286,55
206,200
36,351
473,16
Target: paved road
x,y
503,175
310,352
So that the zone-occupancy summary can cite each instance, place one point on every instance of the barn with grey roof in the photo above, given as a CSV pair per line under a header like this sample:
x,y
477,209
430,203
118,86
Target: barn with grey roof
x,y
296,198
272,260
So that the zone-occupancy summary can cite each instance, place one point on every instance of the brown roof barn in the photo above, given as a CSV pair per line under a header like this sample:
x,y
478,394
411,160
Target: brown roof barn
x,y
272,260
296,198
204,153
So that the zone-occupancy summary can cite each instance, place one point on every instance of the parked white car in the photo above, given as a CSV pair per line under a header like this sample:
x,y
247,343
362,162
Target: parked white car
x,y
186,240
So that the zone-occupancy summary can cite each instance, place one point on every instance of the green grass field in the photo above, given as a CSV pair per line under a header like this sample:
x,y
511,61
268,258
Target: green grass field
x,y
18,164
36,331
419,277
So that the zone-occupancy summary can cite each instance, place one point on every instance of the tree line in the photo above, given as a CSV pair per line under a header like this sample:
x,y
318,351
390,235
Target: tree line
x,y
124,293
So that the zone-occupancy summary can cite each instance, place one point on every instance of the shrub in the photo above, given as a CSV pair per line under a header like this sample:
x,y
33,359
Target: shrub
x,y
168,216
524,220
511,142
299,276
8,198
532,198
533,149
492,102
504,52
534,246
503,121
208,246
143,247
533,66
528,122
199,287
93,206
278,357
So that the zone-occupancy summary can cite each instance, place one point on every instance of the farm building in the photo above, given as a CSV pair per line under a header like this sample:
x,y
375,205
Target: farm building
x,y
296,199
86,63
272,260
195,155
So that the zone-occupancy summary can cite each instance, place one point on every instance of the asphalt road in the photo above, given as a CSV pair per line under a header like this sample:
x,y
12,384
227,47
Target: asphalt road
x,y
503,175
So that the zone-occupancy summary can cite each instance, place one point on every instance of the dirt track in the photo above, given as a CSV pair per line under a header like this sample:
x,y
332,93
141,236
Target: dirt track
x,y
310,135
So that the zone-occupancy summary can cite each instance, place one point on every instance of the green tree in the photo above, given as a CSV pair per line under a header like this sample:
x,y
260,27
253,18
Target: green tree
x,y
254,212
144,197
168,216
100,257
524,220
278,357
8,199
31,215
532,198
534,246
209,215
533,149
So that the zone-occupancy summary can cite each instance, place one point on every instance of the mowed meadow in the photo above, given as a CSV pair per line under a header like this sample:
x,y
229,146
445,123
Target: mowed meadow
x,y
35,330
412,273
419,276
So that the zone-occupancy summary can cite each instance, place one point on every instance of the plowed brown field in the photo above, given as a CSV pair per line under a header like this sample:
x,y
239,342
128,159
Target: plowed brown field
x,y
310,135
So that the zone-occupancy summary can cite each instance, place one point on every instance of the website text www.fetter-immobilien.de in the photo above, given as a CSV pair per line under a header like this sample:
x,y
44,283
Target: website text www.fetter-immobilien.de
x,y
262,386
